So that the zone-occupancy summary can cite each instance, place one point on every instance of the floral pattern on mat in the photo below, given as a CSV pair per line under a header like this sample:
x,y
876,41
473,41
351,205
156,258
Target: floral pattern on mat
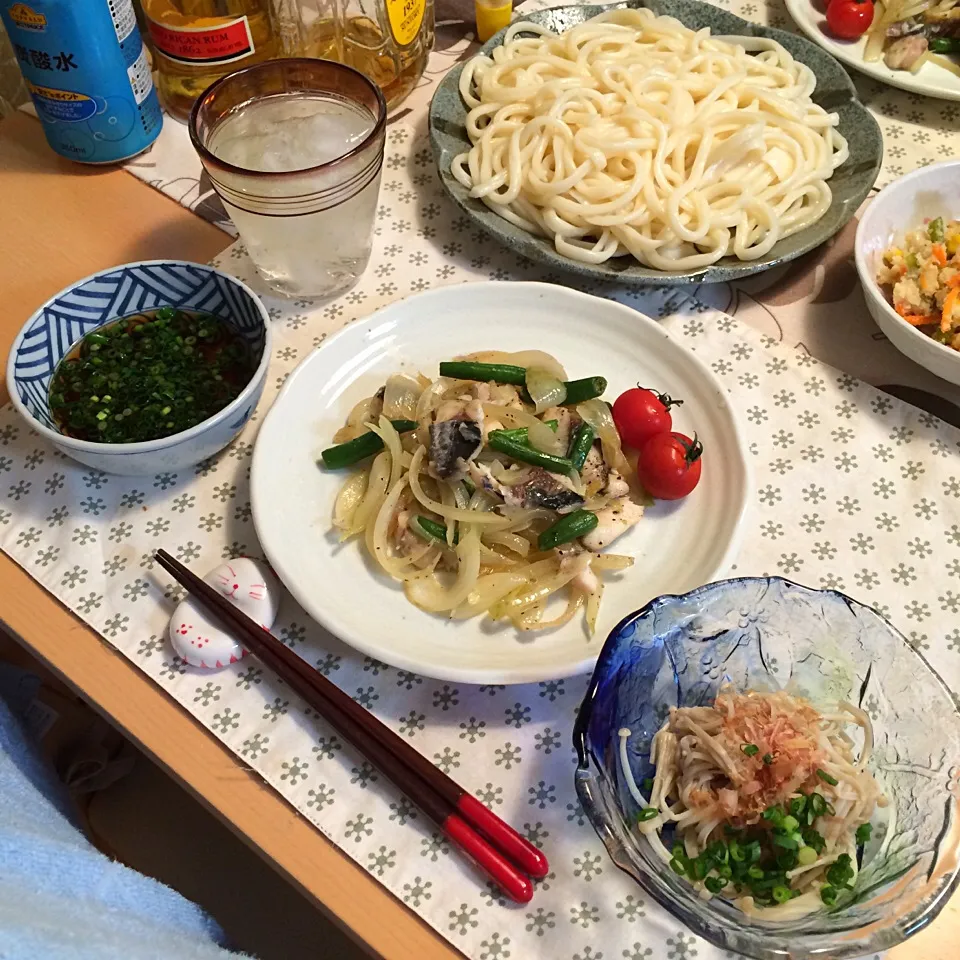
x,y
854,490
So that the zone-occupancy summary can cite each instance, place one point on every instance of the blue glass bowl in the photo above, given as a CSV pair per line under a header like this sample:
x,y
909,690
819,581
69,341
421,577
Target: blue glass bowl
x,y
764,633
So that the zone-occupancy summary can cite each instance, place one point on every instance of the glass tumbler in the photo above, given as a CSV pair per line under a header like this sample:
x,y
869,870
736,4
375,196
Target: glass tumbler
x,y
294,148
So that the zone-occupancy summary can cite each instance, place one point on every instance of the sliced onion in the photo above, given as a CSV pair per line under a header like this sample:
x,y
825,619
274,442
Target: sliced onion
x,y
377,538
430,595
521,358
391,440
348,499
376,490
512,541
511,475
611,561
401,397
597,414
542,438
429,400
593,609
509,416
495,560
349,432
367,409
449,513
489,589
545,389
574,603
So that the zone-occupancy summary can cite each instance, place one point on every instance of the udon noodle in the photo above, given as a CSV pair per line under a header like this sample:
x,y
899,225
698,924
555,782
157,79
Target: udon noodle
x,y
631,134
762,772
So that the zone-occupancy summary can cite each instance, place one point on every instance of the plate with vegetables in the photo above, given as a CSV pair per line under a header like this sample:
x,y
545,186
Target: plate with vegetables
x,y
910,44
488,477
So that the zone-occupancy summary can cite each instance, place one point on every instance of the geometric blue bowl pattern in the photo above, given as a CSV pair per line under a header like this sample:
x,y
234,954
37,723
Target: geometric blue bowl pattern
x,y
120,292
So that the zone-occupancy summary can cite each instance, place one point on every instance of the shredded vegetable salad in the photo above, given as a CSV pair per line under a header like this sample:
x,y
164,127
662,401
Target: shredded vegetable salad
x,y
924,274
491,489
760,798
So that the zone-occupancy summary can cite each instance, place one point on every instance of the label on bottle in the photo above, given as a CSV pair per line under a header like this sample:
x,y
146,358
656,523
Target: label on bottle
x,y
124,18
141,82
67,106
25,17
220,43
405,17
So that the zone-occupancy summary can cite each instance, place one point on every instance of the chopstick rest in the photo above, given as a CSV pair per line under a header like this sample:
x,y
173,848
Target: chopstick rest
x,y
203,640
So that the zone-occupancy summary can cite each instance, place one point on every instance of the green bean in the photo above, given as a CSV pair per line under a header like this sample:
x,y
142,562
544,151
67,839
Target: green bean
x,y
520,433
580,446
366,445
526,454
580,390
470,370
431,530
567,528
944,44
577,390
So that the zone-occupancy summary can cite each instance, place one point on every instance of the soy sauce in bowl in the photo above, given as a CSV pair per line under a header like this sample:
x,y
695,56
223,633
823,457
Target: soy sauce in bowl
x,y
148,376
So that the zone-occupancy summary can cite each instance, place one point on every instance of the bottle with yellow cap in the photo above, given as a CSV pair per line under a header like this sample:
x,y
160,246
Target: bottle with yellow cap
x,y
492,15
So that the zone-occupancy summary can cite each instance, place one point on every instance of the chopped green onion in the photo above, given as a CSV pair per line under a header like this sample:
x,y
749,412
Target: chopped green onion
x,y
782,894
755,873
813,840
768,758
678,867
749,749
787,841
806,856
818,804
798,806
700,867
714,884
754,851
775,815
717,851
826,778
736,852
790,823
863,832
647,813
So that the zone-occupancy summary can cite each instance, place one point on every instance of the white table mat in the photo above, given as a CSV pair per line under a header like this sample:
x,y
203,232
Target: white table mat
x,y
854,490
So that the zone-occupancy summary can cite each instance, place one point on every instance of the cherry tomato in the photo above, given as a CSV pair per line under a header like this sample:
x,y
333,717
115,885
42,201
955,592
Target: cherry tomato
x,y
669,465
640,414
849,19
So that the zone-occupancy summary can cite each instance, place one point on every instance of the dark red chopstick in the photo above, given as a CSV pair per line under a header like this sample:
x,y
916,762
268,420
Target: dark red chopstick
x,y
443,800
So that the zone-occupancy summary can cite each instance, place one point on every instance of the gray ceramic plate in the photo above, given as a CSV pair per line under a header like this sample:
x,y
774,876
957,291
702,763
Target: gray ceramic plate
x,y
835,92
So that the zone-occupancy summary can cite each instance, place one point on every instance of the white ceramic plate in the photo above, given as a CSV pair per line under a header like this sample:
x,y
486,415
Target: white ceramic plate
x,y
930,80
677,546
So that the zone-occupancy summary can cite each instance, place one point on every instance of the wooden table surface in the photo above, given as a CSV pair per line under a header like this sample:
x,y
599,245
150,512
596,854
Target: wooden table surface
x,y
62,221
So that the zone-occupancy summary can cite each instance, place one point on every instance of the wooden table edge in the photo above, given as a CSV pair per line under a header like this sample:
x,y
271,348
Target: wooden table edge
x,y
197,760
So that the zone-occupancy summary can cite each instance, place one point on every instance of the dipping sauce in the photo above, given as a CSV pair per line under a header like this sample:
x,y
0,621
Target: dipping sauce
x,y
148,376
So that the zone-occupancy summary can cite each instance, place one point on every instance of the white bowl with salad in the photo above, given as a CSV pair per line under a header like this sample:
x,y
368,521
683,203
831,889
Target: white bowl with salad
x,y
908,258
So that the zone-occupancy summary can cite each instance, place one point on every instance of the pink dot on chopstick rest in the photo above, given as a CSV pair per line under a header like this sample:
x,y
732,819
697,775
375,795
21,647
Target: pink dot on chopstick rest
x,y
249,585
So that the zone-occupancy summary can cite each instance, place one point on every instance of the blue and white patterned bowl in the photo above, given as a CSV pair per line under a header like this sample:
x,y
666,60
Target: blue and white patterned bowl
x,y
118,292
766,633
